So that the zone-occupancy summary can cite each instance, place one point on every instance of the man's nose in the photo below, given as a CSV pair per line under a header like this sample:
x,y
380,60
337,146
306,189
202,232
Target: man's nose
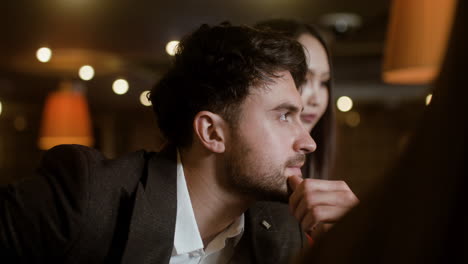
x,y
305,143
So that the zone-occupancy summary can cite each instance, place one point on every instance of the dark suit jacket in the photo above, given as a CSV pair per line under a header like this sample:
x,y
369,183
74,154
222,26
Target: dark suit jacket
x,y
83,208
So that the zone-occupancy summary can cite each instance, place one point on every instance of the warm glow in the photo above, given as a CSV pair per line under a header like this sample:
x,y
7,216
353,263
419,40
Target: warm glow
x,y
410,75
144,98
120,86
417,36
171,47
46,143
44,54
65,119
86,72
20,123
428,99
0,108
353,119
344,103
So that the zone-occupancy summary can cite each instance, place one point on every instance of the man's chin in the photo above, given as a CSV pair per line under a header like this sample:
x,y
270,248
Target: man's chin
x,y
282,198
278,195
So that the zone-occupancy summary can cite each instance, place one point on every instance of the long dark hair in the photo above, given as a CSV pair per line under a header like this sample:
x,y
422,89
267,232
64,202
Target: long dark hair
x,y
320,162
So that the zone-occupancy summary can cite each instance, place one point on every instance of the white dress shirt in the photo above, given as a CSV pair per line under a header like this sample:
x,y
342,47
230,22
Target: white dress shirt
x,y
188,244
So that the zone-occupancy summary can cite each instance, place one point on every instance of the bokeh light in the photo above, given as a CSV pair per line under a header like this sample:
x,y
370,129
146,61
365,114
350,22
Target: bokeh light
x,y
428,99
120,86
344,103
171,47
86,72
144,98
44,54
20,123
353,119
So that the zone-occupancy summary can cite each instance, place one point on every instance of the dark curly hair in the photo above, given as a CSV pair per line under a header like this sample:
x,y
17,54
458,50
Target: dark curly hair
x,y
215,69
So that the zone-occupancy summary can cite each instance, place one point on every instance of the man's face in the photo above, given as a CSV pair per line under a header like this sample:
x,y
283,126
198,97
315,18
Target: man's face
x,y
269,142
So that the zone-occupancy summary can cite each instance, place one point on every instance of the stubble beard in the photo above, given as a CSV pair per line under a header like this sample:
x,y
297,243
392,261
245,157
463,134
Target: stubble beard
x,y
255,177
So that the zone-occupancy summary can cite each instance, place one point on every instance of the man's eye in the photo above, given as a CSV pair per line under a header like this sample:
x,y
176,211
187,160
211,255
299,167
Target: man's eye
x,y
284,117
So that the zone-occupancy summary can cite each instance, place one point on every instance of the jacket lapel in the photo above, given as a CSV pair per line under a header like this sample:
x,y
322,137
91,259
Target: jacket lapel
x,y
272,233
152,226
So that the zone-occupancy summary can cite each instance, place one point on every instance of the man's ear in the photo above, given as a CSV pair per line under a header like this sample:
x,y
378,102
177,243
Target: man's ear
x,y
211,130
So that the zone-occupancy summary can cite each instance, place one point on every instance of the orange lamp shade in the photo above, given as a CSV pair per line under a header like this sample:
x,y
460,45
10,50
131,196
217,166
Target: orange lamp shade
x,y
65,120
416,40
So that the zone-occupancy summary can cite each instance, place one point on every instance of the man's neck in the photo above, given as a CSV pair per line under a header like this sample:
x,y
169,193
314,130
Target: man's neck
x,y
214,208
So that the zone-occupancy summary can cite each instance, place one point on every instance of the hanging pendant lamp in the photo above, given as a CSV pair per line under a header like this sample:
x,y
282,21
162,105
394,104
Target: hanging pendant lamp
x,y
65,119
417,35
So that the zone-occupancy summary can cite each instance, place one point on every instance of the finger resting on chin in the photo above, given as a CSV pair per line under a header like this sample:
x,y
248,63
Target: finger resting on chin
x,y
295,199
301,210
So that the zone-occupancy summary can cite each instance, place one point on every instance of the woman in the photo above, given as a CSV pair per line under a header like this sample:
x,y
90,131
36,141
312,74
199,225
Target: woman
x,y
316,94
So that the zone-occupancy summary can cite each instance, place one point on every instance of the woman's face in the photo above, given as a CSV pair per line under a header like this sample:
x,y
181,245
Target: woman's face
x,y
314,91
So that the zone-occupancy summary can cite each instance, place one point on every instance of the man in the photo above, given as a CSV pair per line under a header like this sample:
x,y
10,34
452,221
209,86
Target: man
x,y
230,109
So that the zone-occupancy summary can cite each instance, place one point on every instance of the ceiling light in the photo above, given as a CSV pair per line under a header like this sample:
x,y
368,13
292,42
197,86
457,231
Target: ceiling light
x,y
416,40
171,47
428,99
120,86
43,54
341,22
144,98
86,72
344,103
65,119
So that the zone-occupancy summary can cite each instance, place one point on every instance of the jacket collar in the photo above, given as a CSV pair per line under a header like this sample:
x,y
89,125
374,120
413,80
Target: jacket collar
x,y
152,225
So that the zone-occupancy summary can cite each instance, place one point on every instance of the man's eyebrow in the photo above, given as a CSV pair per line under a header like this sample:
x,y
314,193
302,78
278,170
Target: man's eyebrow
x,y
288,106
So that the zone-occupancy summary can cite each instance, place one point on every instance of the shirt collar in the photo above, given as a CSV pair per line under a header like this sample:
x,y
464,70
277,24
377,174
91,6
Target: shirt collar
x,y
234,231
187,237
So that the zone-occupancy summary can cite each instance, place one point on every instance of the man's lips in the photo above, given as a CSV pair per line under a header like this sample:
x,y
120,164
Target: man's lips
x,y
308,117
296,162
299,165
296,167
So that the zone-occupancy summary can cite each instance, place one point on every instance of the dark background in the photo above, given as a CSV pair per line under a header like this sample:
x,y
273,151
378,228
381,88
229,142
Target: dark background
x,y
137,31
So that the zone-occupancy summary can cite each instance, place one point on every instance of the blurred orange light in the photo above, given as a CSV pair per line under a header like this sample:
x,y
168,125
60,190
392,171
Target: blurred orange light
x,y
66,119
416,40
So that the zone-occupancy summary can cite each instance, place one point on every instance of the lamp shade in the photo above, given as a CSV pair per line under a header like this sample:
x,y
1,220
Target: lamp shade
x,y
65,119
416,39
